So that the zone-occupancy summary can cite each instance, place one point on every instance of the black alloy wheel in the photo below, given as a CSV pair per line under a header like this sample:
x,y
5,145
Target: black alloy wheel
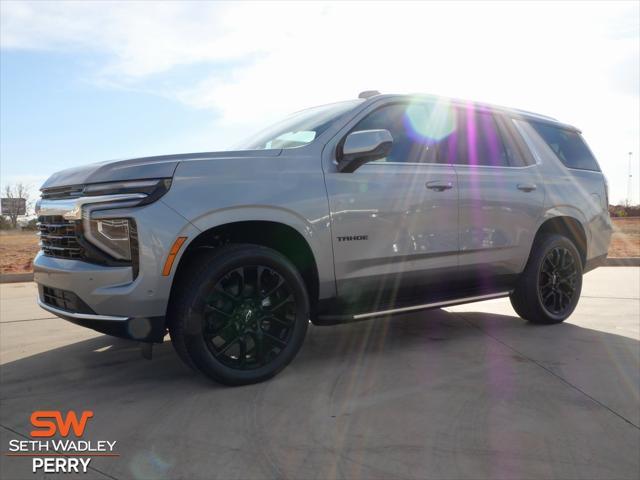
x,y
557,280
249,317
548,289
240,314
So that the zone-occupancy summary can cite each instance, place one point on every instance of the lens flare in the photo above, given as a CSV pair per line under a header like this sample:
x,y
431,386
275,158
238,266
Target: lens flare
x,y
431,121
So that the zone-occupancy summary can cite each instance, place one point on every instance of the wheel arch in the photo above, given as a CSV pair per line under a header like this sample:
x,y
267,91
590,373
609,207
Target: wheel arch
x,y
279,236
568,226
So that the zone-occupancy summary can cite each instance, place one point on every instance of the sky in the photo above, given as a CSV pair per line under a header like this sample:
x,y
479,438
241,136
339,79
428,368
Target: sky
x,y
89,81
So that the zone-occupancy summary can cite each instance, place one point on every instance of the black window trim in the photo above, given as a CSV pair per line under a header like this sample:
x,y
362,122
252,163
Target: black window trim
x,y
501,119
513,136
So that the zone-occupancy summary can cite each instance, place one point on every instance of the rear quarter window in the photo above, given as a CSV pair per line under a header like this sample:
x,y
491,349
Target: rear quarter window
x,y
568,146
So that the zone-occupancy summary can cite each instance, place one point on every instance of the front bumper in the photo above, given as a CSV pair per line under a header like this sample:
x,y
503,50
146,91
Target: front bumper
x,y
113,300
142,329
108,300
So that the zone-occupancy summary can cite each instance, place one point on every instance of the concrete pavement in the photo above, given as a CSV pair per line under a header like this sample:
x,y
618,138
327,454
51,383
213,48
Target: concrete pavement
x,y
465,392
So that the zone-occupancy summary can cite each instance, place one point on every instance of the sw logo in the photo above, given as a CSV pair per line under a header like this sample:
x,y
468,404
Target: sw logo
x,y
62,454
44,419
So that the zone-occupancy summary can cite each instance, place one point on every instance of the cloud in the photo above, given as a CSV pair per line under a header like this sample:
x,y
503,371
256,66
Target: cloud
x,y
286,55
138,38
251,62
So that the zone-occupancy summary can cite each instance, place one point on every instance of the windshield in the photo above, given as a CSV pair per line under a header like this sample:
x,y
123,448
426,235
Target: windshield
x,y
298,129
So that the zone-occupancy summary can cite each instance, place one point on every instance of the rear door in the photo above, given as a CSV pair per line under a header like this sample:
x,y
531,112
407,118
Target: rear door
x,y
394,221
501,197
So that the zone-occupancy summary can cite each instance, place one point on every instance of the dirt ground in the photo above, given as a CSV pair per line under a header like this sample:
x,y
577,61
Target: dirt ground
x,y
626,237
17,249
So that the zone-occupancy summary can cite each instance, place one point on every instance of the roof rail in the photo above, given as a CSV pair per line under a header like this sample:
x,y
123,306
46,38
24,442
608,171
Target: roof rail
x,y
368,94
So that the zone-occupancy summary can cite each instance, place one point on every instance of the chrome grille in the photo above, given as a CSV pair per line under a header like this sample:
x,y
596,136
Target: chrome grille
x,y
56,193
58,237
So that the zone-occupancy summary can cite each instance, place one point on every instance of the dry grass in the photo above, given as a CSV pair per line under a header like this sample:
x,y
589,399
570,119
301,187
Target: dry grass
x,y
626,237
17,249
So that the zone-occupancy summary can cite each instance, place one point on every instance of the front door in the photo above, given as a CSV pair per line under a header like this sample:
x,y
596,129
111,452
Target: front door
x,y
395,221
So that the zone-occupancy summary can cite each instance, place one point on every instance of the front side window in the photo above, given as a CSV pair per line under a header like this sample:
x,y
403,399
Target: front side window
x,y
299,128
438,132
417,129
567,145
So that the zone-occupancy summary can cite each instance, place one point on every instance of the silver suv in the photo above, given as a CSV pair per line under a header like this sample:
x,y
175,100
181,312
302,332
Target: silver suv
x,y
347,211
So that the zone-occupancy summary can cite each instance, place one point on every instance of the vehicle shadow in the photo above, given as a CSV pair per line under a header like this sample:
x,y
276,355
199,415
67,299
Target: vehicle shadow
x,y
435,373
106,360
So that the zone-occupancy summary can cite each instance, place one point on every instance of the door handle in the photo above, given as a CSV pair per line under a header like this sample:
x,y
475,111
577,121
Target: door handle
x,y
527,187
439,186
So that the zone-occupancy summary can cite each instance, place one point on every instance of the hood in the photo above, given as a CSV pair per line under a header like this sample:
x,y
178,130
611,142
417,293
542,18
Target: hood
x,y
140,168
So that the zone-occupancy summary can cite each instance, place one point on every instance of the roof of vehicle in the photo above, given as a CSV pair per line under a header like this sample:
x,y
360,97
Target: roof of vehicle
x,y
459,102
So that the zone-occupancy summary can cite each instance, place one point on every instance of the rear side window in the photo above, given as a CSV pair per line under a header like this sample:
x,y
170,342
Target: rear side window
x,y
478,141
568,146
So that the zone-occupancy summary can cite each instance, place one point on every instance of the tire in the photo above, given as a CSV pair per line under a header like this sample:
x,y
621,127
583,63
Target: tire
x,y
242,315
548,289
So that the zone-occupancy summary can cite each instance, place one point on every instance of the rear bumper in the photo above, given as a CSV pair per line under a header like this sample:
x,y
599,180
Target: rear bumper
x,y
141,329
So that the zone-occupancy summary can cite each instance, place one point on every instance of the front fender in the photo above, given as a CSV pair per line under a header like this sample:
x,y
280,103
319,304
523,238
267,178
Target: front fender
x,y
286,189
315,232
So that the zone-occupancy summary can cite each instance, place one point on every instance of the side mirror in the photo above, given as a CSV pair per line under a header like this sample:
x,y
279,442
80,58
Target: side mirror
x,y
362,147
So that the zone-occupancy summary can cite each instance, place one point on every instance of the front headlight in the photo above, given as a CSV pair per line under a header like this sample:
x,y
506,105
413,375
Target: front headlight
x,y
112,235
116,237
153,189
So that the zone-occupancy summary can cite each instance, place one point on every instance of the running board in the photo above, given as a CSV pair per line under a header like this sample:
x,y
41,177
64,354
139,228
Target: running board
x,y
332,319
